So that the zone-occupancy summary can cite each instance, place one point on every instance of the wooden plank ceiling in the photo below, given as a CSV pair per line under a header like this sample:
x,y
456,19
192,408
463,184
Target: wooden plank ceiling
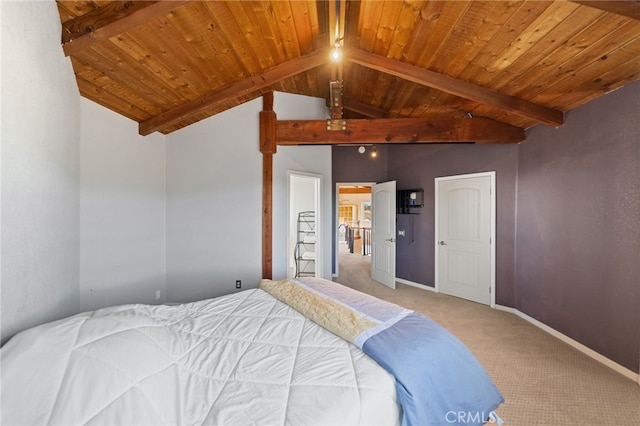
x,y
490,68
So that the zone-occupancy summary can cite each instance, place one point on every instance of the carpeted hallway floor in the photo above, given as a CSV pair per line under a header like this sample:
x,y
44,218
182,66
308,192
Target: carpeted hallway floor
x,y
544,381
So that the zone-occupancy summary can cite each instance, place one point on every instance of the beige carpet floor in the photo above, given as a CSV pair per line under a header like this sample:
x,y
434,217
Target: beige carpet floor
x,y
544,381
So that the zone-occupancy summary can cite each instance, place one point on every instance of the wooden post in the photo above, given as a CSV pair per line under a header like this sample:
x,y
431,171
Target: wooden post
x,y
268,148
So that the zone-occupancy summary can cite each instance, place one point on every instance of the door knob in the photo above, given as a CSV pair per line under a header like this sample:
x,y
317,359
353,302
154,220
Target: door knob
x,y
442,243
391,239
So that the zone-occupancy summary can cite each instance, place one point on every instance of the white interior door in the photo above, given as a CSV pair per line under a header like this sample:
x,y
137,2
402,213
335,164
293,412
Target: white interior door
x,y
465,217
383,233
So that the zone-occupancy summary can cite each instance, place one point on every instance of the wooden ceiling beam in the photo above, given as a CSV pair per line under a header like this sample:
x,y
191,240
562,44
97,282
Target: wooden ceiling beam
x,y
354,190
234,91
364,109
628,8
398,130
337,18
456,87
113,19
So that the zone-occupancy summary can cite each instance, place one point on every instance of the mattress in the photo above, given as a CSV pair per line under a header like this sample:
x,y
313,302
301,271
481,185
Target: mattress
x,y
245,358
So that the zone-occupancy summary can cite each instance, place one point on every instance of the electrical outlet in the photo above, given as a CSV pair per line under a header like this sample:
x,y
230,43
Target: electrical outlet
x,y
238,284
158,294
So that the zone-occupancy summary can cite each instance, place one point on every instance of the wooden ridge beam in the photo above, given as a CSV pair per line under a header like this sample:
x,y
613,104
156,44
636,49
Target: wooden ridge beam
x,y
115,18
233,91
456,87
398,130
628,8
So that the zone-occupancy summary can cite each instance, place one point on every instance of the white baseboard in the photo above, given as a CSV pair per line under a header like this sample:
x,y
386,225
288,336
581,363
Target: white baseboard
x,y
412,284
577,345
555,333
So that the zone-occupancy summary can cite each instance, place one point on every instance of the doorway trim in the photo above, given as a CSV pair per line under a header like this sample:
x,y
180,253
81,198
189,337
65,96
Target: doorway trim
x,y
492,219
291,218
336,231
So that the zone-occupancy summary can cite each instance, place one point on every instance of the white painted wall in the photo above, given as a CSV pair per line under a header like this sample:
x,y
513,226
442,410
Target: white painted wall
x,y
214,198
122,211
40,169
93,215
214,205
310,159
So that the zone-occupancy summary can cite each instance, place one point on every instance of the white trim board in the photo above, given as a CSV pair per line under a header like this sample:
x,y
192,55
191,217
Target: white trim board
x,y
575,344
555,333
413,284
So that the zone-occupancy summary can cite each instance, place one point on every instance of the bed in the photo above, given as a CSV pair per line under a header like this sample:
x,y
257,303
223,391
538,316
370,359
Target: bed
x,y
304,351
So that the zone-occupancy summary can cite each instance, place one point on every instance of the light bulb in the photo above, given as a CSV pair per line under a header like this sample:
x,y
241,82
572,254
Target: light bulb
x,y
335,54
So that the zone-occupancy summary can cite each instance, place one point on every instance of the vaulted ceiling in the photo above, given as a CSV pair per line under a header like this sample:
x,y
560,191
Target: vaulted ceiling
x,y
495,67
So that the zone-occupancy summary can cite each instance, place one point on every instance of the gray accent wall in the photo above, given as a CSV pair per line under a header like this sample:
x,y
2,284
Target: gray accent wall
x,y
415,166
568,218
578,238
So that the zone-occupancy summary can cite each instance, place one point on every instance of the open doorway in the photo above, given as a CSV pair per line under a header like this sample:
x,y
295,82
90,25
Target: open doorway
x,y
353,223
304,254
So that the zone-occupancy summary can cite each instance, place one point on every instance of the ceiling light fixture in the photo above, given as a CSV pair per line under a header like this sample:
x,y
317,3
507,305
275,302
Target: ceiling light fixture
x,y
374,152
361,149
336,53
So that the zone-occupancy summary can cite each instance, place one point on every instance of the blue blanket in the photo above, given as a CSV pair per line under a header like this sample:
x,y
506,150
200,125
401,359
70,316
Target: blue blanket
x,y
438,380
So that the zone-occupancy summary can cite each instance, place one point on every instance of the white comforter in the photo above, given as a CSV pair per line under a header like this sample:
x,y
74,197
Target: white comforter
x,y
245,358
